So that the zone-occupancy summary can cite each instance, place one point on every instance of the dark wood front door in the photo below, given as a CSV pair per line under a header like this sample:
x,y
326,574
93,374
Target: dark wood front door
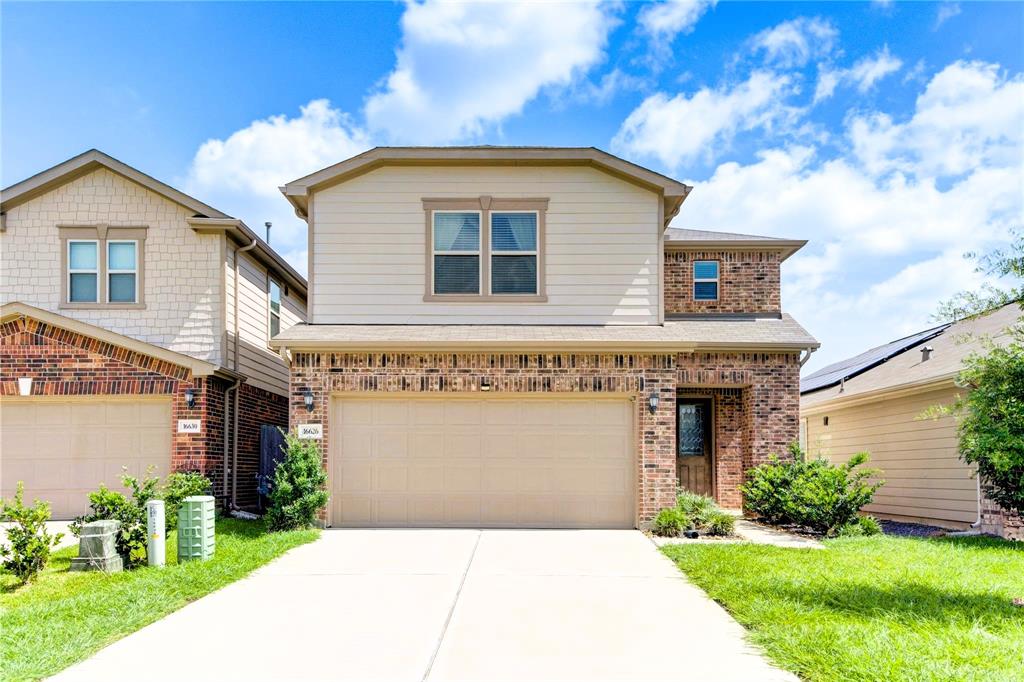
x,y
693,445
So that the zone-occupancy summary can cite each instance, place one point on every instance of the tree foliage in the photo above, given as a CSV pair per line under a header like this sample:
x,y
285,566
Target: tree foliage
x,y
28,541
299,491
1006,264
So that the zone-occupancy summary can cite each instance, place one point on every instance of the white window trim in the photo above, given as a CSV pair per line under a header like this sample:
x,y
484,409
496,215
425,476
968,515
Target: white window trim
x,y
715,279
270,308
113,271
535,252
478,253
82,271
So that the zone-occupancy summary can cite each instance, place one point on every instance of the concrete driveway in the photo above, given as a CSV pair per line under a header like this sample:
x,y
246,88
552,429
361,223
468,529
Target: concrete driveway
x,y
447,605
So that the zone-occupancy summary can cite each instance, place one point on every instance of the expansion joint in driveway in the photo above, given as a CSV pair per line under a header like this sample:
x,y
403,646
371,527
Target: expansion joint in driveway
x,y
448,619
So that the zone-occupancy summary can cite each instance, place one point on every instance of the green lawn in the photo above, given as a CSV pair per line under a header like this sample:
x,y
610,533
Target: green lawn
x,y
64,617
879,608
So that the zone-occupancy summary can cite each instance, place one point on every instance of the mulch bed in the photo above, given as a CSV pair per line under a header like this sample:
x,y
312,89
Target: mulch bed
x,y
911,530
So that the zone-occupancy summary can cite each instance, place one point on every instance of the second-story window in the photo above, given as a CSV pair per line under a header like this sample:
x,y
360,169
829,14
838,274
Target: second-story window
x,y
456,252
275,308
83,271
705,280
122,271
514,252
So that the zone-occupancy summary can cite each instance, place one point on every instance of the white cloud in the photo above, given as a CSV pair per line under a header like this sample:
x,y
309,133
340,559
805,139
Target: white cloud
x,y
863,75
946,11
680,128
887,229
462,67
241,174
794,43
663,21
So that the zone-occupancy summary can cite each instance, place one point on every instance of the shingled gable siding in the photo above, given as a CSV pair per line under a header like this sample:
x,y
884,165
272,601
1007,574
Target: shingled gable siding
x,y
635,375
63,363
748,282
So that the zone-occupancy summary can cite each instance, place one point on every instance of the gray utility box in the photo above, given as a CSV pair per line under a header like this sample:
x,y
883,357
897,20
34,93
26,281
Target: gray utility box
x,y
196,528
97,548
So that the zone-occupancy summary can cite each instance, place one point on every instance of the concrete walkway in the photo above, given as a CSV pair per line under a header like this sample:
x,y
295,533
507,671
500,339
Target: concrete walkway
x,y
53,527
448,605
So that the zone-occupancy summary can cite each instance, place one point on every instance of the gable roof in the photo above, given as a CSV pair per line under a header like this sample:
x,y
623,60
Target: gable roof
x,y
899,365
206,217
684,238
298,191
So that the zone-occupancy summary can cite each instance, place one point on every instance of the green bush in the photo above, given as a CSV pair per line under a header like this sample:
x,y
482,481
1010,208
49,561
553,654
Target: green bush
x,y
28,542
298,493
177,487
860,527
670,522
815,494
130,511
697,507
719,522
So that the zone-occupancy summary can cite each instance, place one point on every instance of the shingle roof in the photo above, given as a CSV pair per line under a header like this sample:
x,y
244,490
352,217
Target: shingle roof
x,y
907,368
682,234
678,335
685,238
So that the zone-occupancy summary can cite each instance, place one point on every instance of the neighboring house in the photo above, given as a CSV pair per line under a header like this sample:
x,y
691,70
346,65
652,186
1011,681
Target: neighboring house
x,y
875,402
513,337
142,317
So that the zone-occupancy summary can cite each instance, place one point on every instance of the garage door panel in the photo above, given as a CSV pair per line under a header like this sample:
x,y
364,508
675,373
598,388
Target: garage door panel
x,y
492,461
65,449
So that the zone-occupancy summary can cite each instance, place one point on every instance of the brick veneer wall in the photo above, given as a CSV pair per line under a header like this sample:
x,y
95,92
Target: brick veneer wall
x,y
999,521
631,374
256,407
65,363
748,282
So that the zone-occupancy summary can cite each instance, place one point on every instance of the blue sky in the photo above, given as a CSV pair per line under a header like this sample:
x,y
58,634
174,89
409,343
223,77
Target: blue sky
x,y
890,135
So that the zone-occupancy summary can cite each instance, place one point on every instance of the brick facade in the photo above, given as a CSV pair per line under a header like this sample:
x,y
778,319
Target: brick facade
x,y
998,521
743,386
256,408
748,282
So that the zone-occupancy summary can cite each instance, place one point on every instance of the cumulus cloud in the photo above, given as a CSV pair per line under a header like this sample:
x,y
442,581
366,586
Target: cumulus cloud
x,y
674,129
663,21
946,11
796,42
462,67
863,75
241,174
887,221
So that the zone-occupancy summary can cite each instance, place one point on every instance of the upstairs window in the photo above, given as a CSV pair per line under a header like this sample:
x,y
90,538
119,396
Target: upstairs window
x,y
122,272
456,252
514,252
275,308
705,280
83,271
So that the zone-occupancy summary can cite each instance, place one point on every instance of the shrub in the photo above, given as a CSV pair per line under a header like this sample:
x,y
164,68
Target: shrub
x,y
815,494
28,542
131,512
670,522
719,522
177,487
697,507
298,493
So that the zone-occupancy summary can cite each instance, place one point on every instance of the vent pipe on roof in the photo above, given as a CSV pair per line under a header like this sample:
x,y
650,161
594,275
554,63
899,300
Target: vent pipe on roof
x,y
926,353
268,225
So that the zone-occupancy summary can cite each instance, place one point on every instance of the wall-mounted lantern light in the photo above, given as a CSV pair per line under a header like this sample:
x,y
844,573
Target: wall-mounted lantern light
x,y
25,386
307,399
652,401
485,384
190,398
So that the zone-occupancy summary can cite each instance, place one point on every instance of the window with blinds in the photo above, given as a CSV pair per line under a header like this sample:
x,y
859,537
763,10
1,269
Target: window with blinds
x,y
456,256
705,280
514,252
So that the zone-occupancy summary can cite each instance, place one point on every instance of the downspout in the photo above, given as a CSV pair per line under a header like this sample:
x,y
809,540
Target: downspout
x,y
234,389
804,359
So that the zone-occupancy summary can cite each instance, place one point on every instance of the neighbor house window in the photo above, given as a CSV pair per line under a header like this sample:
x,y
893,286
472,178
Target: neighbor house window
x,y
705,280
103,266
485,249
83,271
514,252
275,308
122,271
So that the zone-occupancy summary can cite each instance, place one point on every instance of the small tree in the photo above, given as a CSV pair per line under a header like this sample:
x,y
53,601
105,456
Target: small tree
x,y
298,493
29,543
1007,265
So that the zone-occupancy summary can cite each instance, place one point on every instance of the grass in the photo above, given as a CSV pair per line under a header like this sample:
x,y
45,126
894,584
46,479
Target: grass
x,y
64,617
878,608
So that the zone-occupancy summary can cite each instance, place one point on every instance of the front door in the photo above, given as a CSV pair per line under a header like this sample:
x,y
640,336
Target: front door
x,y
693,445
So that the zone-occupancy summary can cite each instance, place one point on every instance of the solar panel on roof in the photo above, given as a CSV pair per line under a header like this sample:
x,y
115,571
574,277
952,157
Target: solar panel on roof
x,y
845,369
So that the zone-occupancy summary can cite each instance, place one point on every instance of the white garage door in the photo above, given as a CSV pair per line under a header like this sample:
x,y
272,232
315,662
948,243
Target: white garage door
x,y
472,462
63,450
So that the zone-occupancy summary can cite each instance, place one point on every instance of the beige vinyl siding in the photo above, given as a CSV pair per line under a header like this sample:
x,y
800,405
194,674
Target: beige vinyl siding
x,y
924,477
262,366
601,247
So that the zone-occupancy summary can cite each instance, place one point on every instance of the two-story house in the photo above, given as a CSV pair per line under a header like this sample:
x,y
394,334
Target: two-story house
x,y
136,323
515,337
